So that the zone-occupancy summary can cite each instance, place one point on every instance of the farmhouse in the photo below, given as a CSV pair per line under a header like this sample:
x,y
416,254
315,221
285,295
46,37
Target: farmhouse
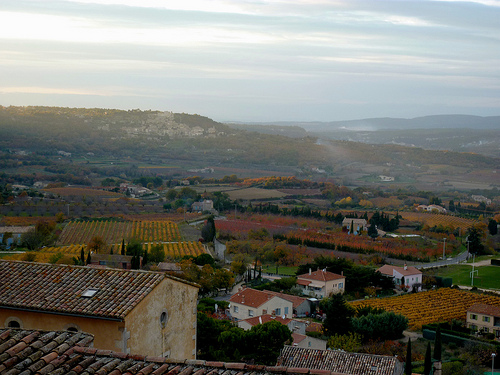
x,y
358,225
484,318
12,235
321,283
205,205
403,276
126,311
249,303
339,362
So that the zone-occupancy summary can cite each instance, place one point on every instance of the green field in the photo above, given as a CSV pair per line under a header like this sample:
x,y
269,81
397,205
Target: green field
x,y
282,270
487,277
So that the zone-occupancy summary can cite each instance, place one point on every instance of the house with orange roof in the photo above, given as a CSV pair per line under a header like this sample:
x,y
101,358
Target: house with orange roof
x,y
484,318
248,303
126,311
301,306
321,283
405,276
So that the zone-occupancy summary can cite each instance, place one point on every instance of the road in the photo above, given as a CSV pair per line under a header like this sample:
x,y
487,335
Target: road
x,y
460,258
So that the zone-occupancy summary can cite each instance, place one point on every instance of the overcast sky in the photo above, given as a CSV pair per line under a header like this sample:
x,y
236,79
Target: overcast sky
x,y
254,60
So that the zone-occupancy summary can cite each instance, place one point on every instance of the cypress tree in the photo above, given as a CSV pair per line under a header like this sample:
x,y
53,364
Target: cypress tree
x,y
82,257
89,260
437,344
408,358
123,247
145,259
428,360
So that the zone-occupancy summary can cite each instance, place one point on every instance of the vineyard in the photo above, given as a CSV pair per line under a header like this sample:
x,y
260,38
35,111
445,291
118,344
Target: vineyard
x,y
112,232
432,220
173,250
439,305
399,248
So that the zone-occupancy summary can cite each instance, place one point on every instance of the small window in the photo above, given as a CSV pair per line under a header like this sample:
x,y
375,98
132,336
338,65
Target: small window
x,y
90,292
341,285
163,319
235,309
102,262
473,316
278,311
72,329
486,319
250,312
13,324
286,310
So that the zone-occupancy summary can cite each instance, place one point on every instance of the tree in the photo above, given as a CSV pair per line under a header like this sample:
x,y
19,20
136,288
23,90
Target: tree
x,y
372,231
350,342
208,230
89,259
428,360
122,252
265,342
493,227
408,358
384,326
97,245
157,253
474,238
338,315
451,206
437,344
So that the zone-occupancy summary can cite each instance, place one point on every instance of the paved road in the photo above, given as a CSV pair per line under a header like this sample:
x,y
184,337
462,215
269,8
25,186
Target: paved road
x,y
460,258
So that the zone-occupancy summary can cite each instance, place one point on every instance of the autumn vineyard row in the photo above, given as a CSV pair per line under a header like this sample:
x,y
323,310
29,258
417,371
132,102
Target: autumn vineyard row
x,y
173,250
433,306
81,232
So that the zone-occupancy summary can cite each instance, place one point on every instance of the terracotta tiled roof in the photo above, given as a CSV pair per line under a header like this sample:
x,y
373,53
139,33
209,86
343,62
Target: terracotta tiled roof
x,y
57,353
339,362
266,318
481,308
388,270
295,300
297,338
251,297
321,275
60,288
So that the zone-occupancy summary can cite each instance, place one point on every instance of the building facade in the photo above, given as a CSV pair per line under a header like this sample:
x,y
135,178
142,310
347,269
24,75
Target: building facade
x,y
321,283
126,311
249,303
484,318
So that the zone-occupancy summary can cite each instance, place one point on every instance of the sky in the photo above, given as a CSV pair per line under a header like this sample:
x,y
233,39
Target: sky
x,y
254,60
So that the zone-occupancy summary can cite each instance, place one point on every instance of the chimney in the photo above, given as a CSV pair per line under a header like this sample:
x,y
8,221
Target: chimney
x,y
405,267
341,273
310,271
243,298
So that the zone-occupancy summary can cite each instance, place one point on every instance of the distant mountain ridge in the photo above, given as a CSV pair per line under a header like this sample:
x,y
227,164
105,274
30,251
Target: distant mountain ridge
x,y
389,123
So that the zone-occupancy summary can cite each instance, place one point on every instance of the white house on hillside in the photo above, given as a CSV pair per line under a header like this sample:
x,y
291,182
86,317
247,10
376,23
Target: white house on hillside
x,y
249,303
321,283
403,276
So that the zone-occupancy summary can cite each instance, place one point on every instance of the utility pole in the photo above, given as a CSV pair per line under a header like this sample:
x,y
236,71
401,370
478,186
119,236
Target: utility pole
x,y
472,272
444,248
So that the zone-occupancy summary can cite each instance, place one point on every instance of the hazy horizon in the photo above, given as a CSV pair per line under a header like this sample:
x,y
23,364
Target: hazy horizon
x,y
255,61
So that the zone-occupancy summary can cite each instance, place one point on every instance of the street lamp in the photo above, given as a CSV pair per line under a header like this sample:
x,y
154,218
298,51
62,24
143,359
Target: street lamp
x,y
492,362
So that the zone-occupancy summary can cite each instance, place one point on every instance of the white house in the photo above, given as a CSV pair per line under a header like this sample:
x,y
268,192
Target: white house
x,y
249,303
403,276
357,225
205,205
321,283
